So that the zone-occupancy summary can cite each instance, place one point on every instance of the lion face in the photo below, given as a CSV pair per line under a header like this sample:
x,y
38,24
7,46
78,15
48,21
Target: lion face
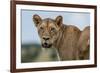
x,y
48,29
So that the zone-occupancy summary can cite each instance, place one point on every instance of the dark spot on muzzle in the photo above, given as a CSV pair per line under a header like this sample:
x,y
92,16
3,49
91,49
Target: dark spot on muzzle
x,y
46,45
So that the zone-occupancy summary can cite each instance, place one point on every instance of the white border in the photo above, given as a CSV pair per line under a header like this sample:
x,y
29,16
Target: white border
x,y
20,65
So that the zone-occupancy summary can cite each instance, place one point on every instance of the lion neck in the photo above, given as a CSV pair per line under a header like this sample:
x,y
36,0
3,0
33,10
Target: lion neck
x,y
59,40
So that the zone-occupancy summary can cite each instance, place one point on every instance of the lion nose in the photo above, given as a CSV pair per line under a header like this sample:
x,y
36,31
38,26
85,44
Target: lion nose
x,y
46,38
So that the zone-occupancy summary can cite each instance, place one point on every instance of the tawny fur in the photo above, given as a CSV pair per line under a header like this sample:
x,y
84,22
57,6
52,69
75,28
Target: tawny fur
x,y
67,42
84,43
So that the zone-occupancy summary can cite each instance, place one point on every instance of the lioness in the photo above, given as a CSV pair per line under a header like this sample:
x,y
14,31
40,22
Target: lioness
x,y
53,33
84,43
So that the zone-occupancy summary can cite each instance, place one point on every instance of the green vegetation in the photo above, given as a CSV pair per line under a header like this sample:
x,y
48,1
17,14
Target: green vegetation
x,y
34,53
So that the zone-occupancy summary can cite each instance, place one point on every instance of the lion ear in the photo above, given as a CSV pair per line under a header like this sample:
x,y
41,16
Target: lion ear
x,y
37,19
59,20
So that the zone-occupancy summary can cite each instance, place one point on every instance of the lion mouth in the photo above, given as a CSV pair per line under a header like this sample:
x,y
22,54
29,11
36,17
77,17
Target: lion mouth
x,y
46,45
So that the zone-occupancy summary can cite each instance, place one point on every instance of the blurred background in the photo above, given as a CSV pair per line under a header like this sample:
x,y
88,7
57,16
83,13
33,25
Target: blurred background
x,y
31,50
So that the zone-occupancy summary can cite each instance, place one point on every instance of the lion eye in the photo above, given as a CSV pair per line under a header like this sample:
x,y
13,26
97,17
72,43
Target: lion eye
x,y
52,29
41,28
